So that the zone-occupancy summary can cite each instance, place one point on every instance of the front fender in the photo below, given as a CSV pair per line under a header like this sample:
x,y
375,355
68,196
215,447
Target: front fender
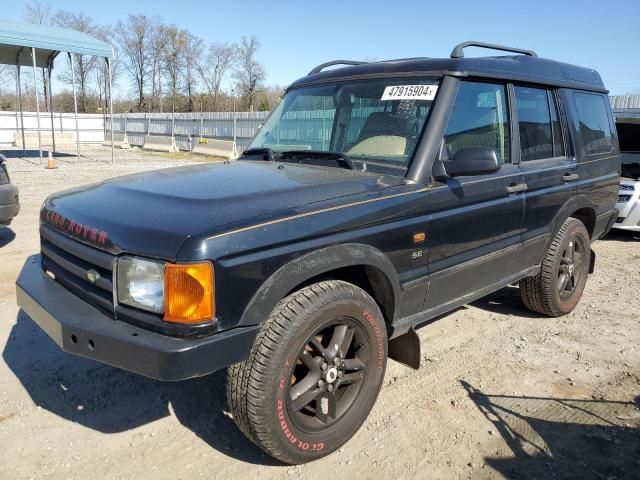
x,y
298,271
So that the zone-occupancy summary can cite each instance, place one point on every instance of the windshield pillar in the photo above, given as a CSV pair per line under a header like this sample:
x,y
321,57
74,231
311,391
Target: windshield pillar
x,y
420,168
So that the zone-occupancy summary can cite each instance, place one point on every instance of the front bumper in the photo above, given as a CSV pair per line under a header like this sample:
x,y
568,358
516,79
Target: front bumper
x,y
9,203
80,328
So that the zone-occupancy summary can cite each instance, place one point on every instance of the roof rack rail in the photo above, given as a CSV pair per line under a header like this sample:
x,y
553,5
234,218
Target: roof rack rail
x,y
322,66
458,51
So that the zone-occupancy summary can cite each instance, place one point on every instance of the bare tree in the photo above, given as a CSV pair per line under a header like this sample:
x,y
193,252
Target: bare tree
x,y
159,39
102,69
84,64
40,13
219,60
160,62
192,50
173,61
37,12
249,73
134,38
7,78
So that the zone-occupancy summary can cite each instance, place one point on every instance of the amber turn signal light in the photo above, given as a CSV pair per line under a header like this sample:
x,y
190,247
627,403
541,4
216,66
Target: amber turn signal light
x,y
188,292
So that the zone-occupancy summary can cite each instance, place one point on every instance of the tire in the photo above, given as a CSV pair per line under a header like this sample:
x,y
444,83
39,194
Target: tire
x,y
314,372
556,290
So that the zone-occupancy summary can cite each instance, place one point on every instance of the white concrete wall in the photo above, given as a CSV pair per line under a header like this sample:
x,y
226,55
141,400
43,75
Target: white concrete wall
x,y
90,125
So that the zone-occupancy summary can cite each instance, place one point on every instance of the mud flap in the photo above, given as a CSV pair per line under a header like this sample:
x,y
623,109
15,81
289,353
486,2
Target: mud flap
x,y
406,349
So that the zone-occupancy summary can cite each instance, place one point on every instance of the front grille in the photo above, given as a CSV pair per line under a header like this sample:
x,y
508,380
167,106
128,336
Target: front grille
x,y
624,198
70,261
627,188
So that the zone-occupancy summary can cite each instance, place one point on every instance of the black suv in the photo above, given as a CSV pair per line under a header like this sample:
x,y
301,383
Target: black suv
x,y
376,197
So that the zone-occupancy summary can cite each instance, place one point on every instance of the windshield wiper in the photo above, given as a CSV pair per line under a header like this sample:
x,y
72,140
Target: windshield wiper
x,y
342,158
265,153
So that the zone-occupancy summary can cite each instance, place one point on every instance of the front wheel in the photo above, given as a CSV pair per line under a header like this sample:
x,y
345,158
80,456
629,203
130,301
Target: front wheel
x,y
314,372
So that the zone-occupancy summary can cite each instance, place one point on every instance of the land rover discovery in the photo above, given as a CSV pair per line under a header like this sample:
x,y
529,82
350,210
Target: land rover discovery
x,y
376,197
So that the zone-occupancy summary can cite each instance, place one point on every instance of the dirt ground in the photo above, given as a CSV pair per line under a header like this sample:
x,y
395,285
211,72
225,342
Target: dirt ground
x,y
501,393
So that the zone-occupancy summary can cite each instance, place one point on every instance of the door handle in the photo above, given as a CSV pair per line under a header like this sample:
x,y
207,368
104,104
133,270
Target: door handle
x,y
520,187
570,177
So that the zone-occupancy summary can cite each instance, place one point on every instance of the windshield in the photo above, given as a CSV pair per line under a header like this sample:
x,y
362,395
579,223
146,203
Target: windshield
x,y
376,123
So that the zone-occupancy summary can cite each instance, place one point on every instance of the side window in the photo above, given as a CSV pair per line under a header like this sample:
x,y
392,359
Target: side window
x,y
593,123
479,119
538,124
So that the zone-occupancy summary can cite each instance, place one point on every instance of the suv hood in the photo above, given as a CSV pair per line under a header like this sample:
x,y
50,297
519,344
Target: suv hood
x,y
153,213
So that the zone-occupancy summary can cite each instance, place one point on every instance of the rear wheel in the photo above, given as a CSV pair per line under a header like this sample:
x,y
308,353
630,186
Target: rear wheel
x,y
556,290
314,372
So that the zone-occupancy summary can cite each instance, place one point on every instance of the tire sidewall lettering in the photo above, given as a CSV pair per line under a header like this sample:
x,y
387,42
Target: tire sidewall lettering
x,y
283,423
371,320
288,434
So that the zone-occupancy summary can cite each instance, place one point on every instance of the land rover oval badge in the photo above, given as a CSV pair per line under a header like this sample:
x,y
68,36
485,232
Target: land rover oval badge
x,y
93,276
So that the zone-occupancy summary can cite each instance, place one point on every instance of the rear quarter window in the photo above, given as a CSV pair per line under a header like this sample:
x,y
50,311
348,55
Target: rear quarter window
x,y
592,123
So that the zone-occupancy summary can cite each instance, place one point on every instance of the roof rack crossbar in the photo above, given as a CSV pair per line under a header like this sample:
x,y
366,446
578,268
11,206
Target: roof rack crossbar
x,y
322,66
458,51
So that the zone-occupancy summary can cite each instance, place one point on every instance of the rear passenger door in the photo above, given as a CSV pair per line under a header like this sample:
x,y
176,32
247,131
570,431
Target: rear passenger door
x,y
550,173
474,234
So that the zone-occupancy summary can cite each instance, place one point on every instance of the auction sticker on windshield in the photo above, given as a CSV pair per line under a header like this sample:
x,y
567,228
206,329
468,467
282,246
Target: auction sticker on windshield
x,y
409,92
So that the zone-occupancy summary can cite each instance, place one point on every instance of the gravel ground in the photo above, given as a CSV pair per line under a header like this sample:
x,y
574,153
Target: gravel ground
x,y
501,393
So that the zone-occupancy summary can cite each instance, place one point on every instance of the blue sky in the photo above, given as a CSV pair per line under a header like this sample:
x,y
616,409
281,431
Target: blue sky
x,y
297,35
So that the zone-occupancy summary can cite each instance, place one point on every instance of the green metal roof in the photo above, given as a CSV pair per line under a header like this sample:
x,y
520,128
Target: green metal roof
x,y
48,42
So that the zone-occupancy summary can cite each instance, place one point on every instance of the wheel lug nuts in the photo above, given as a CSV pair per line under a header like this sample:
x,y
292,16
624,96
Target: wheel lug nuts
x,y
323,366
320,383
336,361
330,388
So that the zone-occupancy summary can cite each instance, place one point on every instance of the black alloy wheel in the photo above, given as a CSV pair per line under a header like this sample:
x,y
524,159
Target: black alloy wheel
x,y
328,374
314,372
557,288
572,267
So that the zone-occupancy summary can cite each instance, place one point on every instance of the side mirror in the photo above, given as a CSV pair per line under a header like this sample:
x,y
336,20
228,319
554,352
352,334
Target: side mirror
x,y
473,161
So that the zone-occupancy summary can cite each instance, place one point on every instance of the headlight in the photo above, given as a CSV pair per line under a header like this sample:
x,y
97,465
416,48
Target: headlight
x,y
141,284
184,293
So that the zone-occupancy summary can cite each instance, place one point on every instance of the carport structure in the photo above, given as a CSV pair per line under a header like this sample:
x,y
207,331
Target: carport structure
x,y
26,44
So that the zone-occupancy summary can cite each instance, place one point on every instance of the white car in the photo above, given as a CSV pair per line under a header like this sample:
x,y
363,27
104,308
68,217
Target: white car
x,y
628,205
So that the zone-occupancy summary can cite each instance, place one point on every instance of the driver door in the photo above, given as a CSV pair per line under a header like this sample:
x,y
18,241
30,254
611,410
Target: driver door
x,y
475,232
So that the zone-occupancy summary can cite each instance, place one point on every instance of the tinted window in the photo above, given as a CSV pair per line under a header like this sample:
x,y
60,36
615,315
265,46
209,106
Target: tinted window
x,y
538,124
534,123
376,122
593,123
479,119
629,136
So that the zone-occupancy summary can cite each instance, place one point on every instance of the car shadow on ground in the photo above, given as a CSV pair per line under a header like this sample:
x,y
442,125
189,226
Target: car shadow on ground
x,y
506,301
622,236
6,236
110,400
563,438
